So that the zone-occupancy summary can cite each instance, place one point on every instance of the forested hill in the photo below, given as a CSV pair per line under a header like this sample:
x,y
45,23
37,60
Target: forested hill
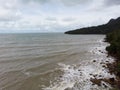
x,y
113,24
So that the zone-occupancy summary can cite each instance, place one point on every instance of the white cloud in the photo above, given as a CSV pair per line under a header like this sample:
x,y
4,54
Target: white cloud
x,y
54,15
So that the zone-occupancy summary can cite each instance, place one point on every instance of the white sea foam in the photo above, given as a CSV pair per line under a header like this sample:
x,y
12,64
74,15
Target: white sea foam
x,y
68,80
77,77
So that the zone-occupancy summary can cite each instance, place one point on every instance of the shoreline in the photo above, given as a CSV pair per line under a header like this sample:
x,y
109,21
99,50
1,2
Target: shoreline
x,y
95,75
111,66
94,68
104,77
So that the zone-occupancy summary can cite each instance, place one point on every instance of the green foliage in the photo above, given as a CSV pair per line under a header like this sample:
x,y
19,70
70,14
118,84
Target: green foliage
x,y
113,24
118,67
114,39
114,89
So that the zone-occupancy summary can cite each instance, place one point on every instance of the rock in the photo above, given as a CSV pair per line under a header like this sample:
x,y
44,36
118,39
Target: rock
x,y
91,74
112,80
60,76
94,60
104,85
107,61
102,52
102,63
96,81
100,75
104,66
95,75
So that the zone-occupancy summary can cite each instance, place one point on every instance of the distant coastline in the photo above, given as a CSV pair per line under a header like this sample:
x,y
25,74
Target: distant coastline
x,y
112,32
113,24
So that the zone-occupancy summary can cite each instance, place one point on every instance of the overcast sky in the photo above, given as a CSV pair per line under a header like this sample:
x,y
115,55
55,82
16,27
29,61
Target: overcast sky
x,y
55,15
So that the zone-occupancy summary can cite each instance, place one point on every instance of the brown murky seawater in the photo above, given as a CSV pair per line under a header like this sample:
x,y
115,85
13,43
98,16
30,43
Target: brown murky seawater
x,y
50,61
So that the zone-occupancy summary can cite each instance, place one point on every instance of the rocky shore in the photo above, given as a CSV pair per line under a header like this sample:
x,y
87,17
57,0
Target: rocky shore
x,y
112,69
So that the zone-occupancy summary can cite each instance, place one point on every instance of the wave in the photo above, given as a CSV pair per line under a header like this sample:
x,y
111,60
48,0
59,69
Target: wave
x,y
77,77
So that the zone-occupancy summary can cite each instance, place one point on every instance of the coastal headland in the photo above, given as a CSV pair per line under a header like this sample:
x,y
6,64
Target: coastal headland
x,y
112,32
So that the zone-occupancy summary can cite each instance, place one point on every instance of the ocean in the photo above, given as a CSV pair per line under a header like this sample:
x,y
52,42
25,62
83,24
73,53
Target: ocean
x,y
52,61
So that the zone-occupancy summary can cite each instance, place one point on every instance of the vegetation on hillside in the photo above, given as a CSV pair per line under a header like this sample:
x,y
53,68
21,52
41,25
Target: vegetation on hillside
x,y
114,39
112,32
113,24
114,49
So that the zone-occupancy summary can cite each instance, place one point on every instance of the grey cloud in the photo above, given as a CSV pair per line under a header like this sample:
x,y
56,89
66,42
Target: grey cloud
x,y
75,2
69,19
112,2
9,18
51,19
65,2
37,1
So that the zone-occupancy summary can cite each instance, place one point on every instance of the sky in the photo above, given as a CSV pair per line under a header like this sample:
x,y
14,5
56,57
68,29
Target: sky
x,y
55,15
